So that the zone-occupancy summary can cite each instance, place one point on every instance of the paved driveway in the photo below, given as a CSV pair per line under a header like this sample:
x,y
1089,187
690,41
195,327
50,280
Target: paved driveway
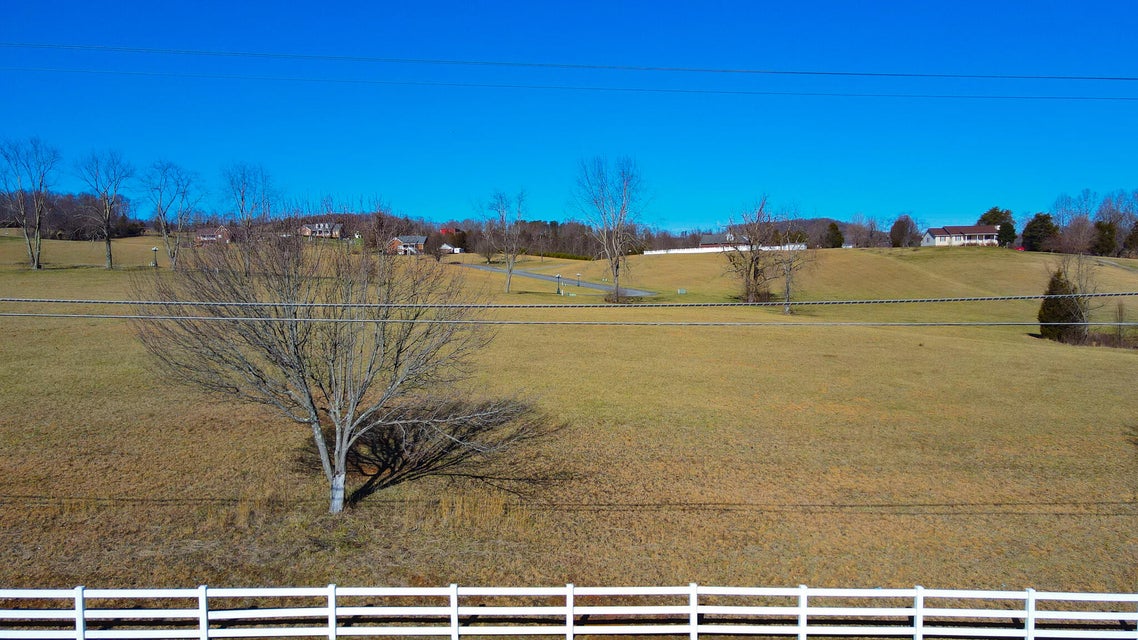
x,y
565,281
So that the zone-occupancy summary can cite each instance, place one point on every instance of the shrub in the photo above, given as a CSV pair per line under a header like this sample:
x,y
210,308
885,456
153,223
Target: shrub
x,y
1062,310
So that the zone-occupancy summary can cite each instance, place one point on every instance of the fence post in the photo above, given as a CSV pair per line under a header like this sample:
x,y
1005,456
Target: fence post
x,y
80,614
919,613
453,611
569,617
332,612
203,612
1029,618
803,621
693,615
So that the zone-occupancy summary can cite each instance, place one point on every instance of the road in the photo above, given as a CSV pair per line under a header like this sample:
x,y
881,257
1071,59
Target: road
x,y
565,281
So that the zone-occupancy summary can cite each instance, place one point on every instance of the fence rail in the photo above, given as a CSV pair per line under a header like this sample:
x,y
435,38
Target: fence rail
x,y
569,611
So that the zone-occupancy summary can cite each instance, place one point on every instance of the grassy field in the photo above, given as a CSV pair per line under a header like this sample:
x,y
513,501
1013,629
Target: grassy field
x,y
977,457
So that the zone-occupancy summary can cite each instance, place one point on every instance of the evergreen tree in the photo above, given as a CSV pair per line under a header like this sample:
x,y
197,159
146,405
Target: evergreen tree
x,y
834,238
1039,232
1003,218
1130,244
1106,238
1063,310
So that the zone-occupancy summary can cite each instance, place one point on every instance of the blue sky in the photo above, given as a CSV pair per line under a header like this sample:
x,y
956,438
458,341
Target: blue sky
x,y
707,147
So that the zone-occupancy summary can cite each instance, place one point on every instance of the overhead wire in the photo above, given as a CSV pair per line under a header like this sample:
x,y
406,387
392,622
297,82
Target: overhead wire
x,y
557,65
653,305
736,71
590,323
587,323
588,88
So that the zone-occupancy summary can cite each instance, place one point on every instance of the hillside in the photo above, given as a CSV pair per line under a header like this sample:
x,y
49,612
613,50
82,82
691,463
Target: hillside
x,y
829,455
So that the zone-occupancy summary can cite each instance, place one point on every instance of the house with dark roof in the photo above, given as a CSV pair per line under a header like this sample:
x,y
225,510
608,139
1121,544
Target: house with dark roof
x,y
322,230
219,234
406,245
712,240
978,235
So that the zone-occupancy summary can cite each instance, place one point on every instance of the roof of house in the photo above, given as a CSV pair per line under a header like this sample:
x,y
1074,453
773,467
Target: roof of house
x,y
971,230
411,239
717,238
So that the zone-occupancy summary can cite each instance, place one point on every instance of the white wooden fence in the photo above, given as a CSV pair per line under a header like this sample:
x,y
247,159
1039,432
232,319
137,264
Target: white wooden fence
x,y
569,611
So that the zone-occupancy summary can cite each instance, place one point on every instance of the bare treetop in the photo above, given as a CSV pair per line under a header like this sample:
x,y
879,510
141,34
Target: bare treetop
x,y
106,174
609,197
26,175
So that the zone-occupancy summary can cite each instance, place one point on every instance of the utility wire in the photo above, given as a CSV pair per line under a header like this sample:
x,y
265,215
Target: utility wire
x,y
554,65
658,305
552,87
579,323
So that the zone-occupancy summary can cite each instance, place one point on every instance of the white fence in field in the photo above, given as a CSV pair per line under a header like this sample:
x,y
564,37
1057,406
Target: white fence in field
x,y
569,611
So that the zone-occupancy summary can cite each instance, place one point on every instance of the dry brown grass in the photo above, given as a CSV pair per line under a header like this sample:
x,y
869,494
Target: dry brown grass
x,y
949,457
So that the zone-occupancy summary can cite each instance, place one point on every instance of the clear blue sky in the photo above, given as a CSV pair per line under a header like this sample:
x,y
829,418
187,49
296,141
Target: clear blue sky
x,y
435,150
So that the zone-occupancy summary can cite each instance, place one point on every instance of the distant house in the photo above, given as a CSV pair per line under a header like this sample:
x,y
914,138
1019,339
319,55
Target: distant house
x,y
446,248
713,240
406,245
322,230
980,235
204,236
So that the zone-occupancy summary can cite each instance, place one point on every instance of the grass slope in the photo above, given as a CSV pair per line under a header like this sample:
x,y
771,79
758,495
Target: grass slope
x,y
854,456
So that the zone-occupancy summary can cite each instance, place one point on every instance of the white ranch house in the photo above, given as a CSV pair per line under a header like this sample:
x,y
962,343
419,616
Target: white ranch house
x,y
979,235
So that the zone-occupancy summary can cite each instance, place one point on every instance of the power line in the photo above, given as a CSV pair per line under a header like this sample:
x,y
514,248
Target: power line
x,y
578,323
552,87
656,305
556,65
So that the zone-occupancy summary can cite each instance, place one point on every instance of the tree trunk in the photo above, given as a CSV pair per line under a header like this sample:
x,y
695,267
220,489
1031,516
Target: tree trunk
x,y
110,260
616,280
33,260
37,262
788,277
337,502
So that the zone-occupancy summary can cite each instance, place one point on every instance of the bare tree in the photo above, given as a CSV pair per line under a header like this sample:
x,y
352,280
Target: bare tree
x,y
29,166
504,228
904,232
609,196
858,230
250,190
750,258
171,190
340,342
106,174
791,256
766,248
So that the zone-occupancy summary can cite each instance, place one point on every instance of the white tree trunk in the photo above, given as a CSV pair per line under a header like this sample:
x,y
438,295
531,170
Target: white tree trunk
x,y
337,503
